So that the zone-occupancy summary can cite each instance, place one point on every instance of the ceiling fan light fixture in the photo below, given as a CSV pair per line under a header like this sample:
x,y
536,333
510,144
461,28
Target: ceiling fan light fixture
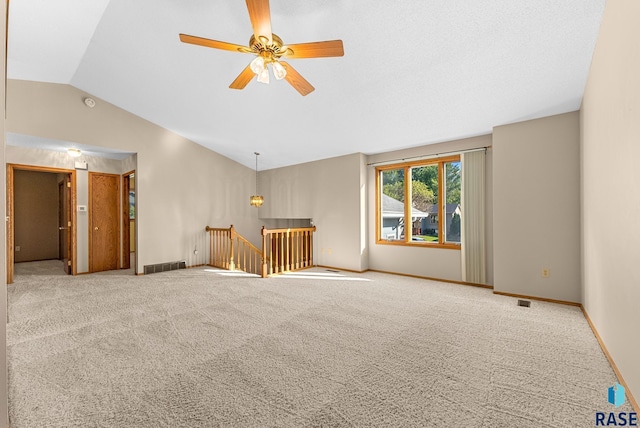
x,y
258,65
279,71
263,77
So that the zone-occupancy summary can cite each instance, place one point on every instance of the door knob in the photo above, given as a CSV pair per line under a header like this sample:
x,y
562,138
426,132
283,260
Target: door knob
x,y
95,228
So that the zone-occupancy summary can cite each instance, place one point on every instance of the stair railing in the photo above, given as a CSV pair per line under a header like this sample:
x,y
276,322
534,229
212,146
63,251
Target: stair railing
x,y
286,250
220,244
283,250
247,257
232,251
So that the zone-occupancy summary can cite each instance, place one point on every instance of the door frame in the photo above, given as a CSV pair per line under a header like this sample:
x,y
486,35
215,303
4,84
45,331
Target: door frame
x,y
10,213
118,223
64,227
126,223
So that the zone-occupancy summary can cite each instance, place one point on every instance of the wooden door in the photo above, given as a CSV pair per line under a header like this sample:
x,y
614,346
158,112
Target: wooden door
x,y
104,221
64,223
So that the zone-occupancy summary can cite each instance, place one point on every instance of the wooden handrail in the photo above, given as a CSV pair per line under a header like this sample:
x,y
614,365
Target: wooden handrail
x,y
283,250
249,244
248,257
289,229
230,250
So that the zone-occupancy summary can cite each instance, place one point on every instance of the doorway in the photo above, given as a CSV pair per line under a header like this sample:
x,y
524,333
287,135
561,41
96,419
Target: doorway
x,y
104,222
35,197
129,220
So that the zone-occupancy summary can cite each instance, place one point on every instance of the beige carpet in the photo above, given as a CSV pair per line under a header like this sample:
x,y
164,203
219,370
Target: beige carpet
x,y
44,267
202,348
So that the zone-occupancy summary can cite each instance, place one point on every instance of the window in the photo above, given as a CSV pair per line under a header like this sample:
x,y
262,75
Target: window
x,y
410,210
392,182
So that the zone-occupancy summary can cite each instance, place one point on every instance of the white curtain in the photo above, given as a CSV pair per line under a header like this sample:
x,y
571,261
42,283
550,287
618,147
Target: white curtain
x,y
473,229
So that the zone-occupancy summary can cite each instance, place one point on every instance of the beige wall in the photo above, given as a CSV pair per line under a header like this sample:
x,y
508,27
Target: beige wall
x,y
536,207
327,191
429,262
181,186
36,204
363,213
610,151
4,404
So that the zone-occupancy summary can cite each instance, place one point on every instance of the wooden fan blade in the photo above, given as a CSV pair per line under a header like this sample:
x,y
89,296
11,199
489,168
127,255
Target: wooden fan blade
x,y
314,49
243,78
260,18
296,80
213,43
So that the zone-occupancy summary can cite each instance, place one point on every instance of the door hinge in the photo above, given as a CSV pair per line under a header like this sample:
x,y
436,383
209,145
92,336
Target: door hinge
x,y
69,263
69,224
68,184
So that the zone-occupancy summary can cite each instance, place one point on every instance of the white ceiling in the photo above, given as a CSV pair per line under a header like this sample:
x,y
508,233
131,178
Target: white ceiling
x,y
415,72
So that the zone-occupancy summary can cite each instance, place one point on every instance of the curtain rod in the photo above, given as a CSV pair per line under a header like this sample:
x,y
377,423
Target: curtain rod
x,y
436,155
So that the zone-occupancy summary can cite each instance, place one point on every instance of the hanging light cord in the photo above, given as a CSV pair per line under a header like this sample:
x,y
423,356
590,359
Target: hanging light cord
x,y
257,154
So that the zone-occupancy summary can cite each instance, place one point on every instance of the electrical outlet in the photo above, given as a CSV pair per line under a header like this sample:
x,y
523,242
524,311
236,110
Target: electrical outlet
x,y
545,273
17,247
195,252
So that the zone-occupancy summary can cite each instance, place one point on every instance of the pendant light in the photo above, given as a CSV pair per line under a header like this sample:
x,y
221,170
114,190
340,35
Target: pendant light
x,y
256,200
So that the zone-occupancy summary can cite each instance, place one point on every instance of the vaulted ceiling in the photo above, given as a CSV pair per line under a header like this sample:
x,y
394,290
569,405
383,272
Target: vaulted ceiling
x,y
414,72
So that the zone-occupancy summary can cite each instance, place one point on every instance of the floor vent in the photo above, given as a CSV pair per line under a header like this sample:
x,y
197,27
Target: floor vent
x,y
524,303
164,267
331,270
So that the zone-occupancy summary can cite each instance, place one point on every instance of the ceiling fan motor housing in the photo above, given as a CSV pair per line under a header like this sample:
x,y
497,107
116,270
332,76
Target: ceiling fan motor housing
x,y
269,50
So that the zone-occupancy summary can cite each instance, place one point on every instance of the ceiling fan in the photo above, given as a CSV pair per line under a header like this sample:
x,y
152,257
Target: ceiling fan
x,y
269,50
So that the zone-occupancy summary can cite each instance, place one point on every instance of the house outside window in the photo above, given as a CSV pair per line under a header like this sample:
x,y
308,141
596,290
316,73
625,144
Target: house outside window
x,y
432,193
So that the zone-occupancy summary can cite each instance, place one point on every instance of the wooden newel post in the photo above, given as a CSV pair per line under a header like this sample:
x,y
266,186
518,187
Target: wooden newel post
x,y
311,247
264,253
232,235
287,260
